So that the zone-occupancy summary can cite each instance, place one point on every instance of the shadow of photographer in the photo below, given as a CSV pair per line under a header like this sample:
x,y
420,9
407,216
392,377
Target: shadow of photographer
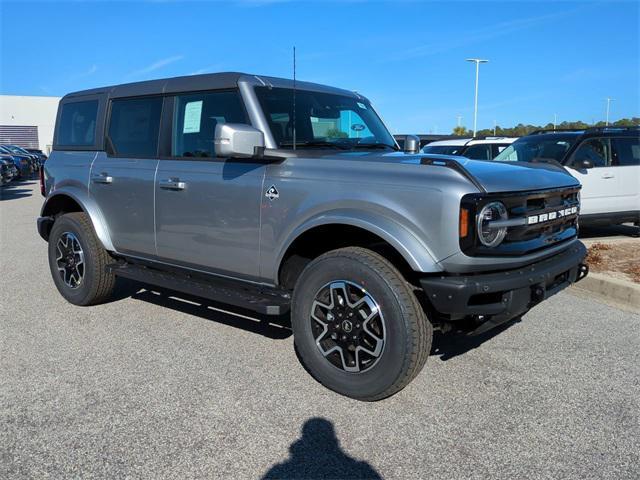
x,y
317,454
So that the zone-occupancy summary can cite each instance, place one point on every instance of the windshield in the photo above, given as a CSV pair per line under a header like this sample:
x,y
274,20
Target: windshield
x,y
538,148
324,120
443,149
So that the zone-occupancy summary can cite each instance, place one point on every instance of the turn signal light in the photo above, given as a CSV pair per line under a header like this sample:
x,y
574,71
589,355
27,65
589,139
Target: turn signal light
x,y
464,222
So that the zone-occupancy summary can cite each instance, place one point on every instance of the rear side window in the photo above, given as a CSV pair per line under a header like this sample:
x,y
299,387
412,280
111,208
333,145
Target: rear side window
x,y
134,126
626,151
78,124
196,117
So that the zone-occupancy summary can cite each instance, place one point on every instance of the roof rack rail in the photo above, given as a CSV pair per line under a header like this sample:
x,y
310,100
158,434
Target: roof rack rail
x,y
614,127
552,130
586,129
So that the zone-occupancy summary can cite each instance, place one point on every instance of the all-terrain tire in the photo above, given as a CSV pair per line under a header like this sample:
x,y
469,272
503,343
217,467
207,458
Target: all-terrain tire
x,y
97,283
408,332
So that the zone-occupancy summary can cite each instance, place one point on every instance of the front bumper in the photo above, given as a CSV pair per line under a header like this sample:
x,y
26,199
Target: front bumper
x,y
504,295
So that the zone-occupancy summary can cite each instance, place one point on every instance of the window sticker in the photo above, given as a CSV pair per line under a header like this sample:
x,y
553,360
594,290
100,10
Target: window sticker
x,y
362,105
192,115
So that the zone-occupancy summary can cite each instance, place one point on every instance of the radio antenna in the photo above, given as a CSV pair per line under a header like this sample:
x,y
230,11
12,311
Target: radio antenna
x,y
294,97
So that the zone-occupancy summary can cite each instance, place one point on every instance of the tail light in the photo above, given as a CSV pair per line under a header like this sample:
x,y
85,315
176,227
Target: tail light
x,y
42,189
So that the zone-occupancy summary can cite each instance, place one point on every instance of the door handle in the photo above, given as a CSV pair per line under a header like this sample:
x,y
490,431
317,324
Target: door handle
x,y
102,178
172,184
608,175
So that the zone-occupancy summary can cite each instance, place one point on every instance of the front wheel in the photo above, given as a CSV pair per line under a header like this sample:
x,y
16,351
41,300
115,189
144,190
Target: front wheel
x,y
358,326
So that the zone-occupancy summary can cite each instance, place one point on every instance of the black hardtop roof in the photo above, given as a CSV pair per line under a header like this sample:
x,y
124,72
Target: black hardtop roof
x,y
207,81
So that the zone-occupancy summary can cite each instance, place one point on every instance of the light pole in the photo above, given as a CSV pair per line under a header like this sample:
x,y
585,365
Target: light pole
x,y
609,100
477,61
555,121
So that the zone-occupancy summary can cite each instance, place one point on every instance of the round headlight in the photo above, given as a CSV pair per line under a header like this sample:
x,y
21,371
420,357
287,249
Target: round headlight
x,y
490,235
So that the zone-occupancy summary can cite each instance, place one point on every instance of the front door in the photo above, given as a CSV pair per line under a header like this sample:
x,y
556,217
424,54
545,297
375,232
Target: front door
x,y
600,184
208,208
122,181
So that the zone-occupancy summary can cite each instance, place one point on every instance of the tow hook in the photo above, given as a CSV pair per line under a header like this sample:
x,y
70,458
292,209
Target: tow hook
x,y
583,271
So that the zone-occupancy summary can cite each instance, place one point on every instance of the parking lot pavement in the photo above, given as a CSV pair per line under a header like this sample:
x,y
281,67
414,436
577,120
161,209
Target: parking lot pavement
x,y
151,386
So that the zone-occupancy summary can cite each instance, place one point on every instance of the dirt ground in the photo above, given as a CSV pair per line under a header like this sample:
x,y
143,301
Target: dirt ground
x,y
621,259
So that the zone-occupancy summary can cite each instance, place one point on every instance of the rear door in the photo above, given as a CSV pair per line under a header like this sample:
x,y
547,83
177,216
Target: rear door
x,y
122,180
207,208
625,152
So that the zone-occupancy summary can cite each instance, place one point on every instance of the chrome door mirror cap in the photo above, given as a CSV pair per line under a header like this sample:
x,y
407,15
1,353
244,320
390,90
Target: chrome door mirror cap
x,y
411,144
238,140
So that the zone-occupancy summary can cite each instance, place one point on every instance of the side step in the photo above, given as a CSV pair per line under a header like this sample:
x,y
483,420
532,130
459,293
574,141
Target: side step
x,y
261,299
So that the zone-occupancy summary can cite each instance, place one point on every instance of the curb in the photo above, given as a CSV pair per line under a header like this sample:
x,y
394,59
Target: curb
x,y
622,292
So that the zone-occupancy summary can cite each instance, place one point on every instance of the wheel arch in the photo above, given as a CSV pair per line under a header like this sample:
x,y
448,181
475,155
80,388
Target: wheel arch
x,y
340,229
69,200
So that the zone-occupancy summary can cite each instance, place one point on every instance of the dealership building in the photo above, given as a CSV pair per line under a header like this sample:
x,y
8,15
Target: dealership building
x,y
28,121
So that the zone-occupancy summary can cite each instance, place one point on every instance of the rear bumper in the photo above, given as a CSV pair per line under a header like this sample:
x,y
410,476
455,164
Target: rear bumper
x,y
505,295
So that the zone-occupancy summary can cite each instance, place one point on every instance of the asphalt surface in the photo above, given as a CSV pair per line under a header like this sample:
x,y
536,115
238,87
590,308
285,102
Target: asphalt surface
x,y
156,387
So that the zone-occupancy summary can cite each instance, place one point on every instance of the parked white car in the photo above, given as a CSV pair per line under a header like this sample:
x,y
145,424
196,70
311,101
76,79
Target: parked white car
x,y
605,160
479,148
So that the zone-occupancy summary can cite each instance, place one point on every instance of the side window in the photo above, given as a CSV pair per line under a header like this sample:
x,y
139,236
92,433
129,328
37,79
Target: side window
x,y
195,118
478,152
595,150
78,124
134,125
626,151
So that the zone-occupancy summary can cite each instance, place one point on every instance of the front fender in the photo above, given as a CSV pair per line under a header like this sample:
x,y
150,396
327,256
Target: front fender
x,y
400,237
88,205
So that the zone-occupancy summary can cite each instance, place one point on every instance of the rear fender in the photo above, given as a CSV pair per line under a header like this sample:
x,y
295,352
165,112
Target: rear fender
x,y
88,206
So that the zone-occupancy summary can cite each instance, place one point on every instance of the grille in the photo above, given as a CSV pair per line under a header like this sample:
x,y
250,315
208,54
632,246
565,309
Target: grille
x,y
541,219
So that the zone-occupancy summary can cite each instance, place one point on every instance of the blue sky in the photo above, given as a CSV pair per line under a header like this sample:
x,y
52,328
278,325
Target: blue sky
x,y
546,58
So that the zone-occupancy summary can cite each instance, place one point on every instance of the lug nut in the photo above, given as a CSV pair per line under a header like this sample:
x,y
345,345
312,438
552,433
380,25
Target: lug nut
x,y
330,317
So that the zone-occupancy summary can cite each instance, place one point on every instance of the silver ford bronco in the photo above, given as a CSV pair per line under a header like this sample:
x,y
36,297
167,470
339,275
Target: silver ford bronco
x,y
293,198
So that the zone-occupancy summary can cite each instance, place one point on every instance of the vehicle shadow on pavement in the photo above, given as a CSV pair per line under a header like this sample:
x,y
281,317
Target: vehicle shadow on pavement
x,y
624,230
12,191
452,344
274,327
317,454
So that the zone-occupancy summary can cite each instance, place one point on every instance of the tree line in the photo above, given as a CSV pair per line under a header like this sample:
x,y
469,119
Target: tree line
x,y
522,129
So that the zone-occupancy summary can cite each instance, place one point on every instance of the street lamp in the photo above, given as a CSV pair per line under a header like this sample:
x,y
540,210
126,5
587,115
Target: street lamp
x,y
477,61
609,100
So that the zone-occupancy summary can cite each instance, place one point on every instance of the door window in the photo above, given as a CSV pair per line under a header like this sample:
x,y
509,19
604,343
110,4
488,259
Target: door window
x,y
134,125
195,119
596,150
626,151
78,123
478,152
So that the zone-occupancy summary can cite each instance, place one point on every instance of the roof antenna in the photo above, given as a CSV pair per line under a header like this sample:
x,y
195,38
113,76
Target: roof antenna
x,y
294,97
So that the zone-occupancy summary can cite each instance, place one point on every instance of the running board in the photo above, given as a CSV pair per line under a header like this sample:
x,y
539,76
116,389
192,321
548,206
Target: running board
x,y
261,299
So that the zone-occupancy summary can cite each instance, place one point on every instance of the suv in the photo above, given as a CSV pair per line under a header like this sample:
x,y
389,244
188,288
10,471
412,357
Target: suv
x,y
215,186
606,161
477,148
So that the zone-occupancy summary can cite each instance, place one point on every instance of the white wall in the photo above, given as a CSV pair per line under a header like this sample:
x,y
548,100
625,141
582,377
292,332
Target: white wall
x,y
24,111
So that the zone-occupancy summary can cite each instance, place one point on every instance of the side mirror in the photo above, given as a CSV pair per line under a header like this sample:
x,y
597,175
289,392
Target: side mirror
x,y
238,140
585,163
411,144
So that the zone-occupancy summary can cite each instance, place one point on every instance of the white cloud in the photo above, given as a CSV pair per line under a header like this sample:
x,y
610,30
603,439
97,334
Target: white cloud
x,y
155,66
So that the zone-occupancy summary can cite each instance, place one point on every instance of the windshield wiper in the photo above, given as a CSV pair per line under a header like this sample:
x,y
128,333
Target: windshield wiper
x,y
314,143
375,146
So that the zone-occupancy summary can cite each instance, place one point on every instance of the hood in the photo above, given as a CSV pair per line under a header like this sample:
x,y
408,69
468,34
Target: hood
x,y
492,176
505,176
517,176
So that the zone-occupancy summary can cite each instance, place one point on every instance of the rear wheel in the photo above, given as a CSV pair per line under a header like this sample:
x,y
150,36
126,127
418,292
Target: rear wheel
x,y
78,261
358,326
